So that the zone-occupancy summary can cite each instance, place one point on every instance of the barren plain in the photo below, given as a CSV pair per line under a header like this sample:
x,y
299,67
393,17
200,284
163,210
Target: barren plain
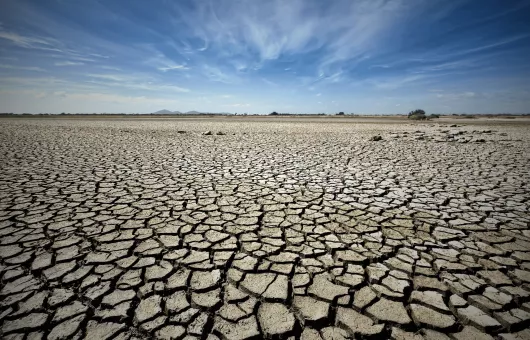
x,y
300,228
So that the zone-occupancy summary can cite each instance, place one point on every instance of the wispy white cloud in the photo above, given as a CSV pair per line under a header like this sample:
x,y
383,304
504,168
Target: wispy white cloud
x,y
114,77
174,67
161,61
217,74
489,46
106,67
105,97
273,52
391,83
269,82
97,55
455,96
23,68
267,30
158,87
68,63
32,81
134,81
41,43
340,32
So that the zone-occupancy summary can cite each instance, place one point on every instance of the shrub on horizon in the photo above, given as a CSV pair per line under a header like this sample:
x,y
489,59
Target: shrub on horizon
x,y
417,115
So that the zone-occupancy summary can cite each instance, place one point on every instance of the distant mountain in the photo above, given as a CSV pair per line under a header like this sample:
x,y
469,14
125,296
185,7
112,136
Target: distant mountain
x,y
163,112
193,113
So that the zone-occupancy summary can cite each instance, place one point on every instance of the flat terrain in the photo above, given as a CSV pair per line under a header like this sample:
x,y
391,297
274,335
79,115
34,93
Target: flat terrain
x,y
116,228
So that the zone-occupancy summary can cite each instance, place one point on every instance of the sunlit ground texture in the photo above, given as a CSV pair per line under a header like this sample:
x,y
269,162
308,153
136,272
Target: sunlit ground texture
x,y
133,228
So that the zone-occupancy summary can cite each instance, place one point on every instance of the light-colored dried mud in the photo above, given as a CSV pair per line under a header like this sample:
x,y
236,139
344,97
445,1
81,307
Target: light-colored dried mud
x,y
301,228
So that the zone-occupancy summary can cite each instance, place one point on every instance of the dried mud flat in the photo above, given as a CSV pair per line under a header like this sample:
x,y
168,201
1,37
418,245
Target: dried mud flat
x,y
293,228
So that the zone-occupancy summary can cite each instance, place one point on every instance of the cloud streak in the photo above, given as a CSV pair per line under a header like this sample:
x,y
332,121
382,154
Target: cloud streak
x,y
23,68
68,63
39,43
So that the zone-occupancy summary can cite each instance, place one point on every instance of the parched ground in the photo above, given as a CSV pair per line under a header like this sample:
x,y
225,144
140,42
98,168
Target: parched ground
x,y
288,227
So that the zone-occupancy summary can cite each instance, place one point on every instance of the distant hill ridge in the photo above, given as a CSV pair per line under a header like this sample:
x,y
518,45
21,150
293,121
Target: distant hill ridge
x,y
167,112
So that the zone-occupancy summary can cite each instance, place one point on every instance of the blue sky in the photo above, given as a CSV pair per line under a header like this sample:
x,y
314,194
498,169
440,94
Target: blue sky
x,y
258,56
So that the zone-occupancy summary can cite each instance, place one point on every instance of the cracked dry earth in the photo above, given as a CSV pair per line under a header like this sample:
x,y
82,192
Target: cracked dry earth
x,y
137,229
